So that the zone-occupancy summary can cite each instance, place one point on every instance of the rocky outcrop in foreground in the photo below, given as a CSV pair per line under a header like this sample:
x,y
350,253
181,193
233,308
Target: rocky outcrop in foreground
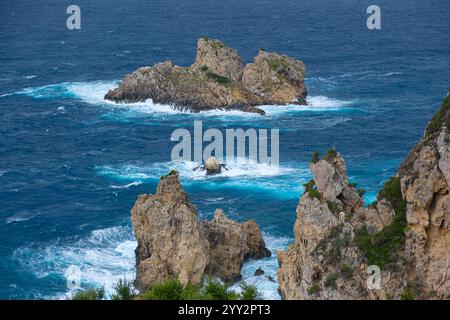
x,y
217,80
173,242
405,232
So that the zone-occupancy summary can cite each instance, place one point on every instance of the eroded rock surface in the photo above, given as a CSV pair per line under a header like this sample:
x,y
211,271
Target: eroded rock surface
x,y
405,232
173,242
217,80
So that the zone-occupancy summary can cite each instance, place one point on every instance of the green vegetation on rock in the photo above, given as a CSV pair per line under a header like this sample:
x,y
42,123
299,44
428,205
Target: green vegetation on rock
x,y
380,248
171,173
442,117
331,153
313,289
172,289
277,64
315,157
330,281
90,294
310,188
333,207
218,78
346,271
124,290
406,294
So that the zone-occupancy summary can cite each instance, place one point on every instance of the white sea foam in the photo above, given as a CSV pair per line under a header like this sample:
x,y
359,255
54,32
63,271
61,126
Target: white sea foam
x,y
136,183
30,76
104,257
21,216
93,93
255,176
267,286
107,255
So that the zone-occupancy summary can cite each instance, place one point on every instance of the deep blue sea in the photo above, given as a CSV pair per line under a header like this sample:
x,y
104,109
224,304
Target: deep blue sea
x,y
72,165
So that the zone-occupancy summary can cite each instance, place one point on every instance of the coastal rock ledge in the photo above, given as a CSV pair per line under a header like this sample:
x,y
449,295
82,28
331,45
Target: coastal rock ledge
x,y
217,80
173,242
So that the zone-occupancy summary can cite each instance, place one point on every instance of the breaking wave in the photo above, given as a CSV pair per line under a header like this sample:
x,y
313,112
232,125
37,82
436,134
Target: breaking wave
x,y
93,93
255,176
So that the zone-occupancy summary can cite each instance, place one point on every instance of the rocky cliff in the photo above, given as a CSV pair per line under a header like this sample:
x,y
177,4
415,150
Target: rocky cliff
x,y
405,233
173,242
217,80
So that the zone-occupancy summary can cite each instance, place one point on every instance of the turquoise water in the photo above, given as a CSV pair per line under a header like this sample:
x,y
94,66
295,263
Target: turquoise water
x,y
72,164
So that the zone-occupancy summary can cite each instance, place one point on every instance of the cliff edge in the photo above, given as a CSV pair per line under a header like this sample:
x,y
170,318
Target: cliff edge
x,y
405,233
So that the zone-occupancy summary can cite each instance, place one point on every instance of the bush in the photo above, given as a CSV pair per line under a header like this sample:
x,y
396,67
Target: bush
x,y
172,172
249,292
310,187
442,117
353,184
330,281
204,68
218,78
333,207
172,289
90,294
331,153
346,272
215,290
124,290
380,249
406,294
314,289
277,64
315,157
361,192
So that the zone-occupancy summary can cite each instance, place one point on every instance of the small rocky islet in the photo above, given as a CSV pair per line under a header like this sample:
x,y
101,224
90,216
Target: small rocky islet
x,y
218,79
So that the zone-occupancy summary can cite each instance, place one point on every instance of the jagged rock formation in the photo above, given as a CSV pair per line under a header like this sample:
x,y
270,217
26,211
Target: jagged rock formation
x,y
217,80
172,242
405,232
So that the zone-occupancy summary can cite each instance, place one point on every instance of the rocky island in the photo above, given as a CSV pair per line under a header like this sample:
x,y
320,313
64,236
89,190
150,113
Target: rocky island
x,y
217,79
405,233
174,243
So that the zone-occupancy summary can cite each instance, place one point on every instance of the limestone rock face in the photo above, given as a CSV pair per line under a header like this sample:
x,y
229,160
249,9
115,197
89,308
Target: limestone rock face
x,y
215,81
278,79
311,266
425,186
406,231
219,58
230,244
330,176
172,242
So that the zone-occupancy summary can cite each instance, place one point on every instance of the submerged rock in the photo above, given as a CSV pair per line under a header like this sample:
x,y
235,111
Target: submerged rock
x,y
217,80
173,242
405,232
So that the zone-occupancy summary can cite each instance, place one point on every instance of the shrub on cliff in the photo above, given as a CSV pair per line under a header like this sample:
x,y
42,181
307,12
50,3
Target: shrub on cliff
x,y
442,117
173,289
124,290
90,294
380,248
